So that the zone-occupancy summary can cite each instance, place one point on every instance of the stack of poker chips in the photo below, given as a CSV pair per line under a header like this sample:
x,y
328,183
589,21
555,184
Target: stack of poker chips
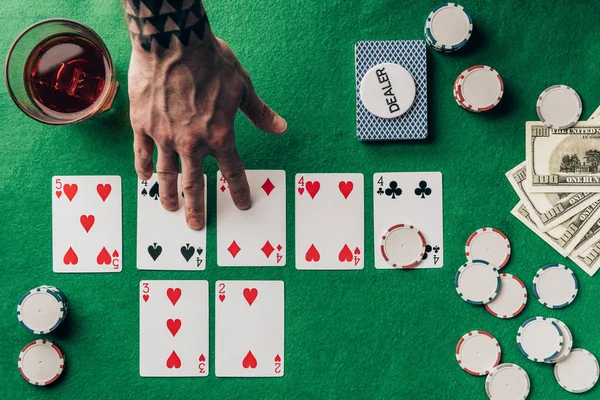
x,y
448,27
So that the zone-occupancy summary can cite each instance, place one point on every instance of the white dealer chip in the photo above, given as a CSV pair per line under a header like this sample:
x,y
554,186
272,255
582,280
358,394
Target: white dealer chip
x,y
388,90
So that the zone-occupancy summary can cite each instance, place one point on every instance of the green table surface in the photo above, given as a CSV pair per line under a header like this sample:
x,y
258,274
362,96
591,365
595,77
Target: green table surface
x,y
356,334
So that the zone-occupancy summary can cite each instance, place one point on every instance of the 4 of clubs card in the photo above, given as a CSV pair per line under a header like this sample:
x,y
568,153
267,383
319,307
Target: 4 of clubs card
x,y
164,241
413,199
86,224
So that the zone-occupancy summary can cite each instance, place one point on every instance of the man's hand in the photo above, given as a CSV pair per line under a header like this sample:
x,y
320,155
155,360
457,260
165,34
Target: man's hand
x,y
184,99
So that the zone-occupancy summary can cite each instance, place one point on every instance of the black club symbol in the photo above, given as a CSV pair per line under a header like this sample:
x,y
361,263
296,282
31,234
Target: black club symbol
x,y
436,249
380,191
427,250
422,190
393,190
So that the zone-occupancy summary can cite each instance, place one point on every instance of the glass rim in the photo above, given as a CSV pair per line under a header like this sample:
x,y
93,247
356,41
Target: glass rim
x,y
23,33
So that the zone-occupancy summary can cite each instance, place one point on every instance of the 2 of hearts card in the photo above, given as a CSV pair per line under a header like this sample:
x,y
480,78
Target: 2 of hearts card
x,y
329,221
174,328
164,241
253,237
249,328
86,224
411,198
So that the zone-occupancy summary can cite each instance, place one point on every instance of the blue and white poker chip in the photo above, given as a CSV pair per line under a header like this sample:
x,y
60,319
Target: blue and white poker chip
x,y
540,339
477,282
448,27
555,286
41,310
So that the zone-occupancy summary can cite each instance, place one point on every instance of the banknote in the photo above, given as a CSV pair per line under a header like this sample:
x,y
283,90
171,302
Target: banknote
x,y
563,160
588,258
595,114
548,210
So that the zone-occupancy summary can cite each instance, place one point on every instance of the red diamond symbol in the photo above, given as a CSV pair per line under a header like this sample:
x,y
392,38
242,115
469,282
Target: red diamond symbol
x,y
268,187
267,249
223,188
279,247
234,249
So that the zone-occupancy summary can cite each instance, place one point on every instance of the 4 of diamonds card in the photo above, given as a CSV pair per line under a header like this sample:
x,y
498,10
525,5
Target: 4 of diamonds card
x,y
408,220
86,224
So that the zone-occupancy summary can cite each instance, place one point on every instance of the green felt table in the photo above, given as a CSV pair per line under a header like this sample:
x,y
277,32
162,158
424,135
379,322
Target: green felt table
x,y
357,334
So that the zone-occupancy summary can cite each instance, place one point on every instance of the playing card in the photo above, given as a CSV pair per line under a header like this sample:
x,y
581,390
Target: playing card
x,y
164,241
329,221
411,55
86,223
249,332
411,198
253,237
173,328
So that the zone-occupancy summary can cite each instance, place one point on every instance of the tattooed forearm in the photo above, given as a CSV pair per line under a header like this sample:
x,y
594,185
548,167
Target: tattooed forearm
x,y
164,22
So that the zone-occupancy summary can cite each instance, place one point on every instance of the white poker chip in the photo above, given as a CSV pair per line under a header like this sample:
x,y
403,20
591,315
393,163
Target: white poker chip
x,y
559,107
511,299
578,372
567,342
488,244
477,352
507,382
41,362
555,286
388,90
477,282
403,246
479,88
41,310
448,27
539,339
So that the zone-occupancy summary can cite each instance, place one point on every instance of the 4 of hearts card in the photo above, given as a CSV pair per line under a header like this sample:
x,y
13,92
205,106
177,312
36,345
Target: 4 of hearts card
x,y
249,328
174,328
86,224
410,198
253,237
164,241
329,221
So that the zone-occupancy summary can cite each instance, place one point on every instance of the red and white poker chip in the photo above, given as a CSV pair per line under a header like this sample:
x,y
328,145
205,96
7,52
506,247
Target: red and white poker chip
x,y
477,352
403,246
488,244
41,362
511,298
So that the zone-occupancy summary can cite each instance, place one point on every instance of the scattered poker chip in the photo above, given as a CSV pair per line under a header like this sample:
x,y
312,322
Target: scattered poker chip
x,y
388,90
477,352
477,282
507,381
479,88
578,372
567,342
555,286
403,246
41,362
539,339
488,244
448,27
511,298
559,107
41,310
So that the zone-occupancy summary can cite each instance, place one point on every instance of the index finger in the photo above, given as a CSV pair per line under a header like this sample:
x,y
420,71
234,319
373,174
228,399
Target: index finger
x,y
192,181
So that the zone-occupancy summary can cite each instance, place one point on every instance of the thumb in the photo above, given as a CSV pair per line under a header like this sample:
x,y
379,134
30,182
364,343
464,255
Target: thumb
x,y
260,114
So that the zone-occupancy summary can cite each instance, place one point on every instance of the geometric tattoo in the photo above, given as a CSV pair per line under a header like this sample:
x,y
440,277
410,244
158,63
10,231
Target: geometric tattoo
x,y
160,20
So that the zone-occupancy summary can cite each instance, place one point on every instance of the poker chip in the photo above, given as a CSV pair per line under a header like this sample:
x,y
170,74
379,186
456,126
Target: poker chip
x,y
539,339
507,382
559,107
41,310
448,27
477,282
555,286
578,372
567,342
488,244
479,88
511,298
477,352
388,90
403,246
41,362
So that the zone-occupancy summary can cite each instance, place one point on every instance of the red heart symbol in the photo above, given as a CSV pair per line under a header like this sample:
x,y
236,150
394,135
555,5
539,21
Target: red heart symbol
x,y
277,358
300,190
250,295
70,191
70,257
103,257
313,188
58,193
173,294
222,297
173,325
201,358
357,251
312,254
249,361
87,221
103,190
346,188
145,297
345,254
115,254
173,361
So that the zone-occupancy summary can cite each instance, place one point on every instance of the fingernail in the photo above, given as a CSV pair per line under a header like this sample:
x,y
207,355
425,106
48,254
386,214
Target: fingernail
x,y
170,205
280,124
243,204
195,223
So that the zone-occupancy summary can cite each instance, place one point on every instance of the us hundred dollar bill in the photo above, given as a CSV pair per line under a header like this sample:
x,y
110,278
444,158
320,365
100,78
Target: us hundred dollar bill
x,y
563,160
588,258
548,210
